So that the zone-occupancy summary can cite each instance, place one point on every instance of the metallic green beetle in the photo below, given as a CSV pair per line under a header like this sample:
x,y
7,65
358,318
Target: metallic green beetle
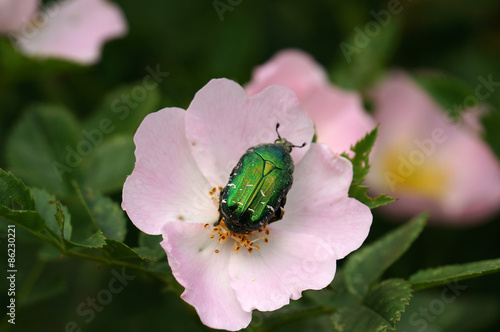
x,y
256,191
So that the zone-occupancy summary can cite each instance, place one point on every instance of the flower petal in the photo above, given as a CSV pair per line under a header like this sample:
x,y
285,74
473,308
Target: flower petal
x,y
166,184
318,204
290,263
321,176
338,114
75,30
222,122
429,162
204,274
339,117
292,68
14,13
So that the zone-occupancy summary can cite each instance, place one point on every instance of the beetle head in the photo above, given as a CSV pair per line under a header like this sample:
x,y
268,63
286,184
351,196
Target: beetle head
x,y
287,144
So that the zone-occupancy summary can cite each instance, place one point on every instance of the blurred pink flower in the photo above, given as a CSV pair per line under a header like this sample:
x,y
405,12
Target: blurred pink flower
x,y
184,158
338,114
74,30
429,162
15,13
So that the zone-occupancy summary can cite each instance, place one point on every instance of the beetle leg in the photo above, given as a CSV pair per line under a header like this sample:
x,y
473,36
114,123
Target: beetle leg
x,y
220,218
280,212
220,213
278,215
283,202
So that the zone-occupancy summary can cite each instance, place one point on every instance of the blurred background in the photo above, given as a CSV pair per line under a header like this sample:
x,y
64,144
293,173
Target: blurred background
x,y
195,41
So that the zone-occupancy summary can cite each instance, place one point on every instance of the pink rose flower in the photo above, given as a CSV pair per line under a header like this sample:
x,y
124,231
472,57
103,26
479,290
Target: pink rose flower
x,y
183,160
74,30
429,162
338,114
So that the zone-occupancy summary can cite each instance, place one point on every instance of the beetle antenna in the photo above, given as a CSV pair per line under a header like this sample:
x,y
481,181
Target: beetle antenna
x,y
277,132
299,146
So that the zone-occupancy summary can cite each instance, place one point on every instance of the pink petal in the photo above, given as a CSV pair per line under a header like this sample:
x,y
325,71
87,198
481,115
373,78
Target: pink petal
x,y
409,117
222,122
292,68
204,274
318,204
166,184
338,115
75,30
290,263
15,13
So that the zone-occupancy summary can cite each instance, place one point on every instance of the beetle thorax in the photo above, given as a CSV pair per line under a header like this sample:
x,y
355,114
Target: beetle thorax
x,y
286,144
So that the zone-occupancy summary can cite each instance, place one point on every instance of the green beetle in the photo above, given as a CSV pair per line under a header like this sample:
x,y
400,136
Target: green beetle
x,y
256,191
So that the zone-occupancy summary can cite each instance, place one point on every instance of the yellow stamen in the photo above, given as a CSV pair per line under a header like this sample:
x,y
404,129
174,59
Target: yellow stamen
x,y
246,240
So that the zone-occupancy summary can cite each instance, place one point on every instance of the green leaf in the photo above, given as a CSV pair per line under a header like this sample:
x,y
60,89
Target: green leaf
x,y
14,194
389,299
120,251
96,240
359,192
17,204
110,164
449,92
380,310
360,161
56,215
149,245
363,57
361,167
451,273
450,308
358,318
106,213
366,266
491,123
124,109
42,148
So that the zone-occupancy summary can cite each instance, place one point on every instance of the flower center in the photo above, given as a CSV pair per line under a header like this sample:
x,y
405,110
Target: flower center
x,y
246,240
417,173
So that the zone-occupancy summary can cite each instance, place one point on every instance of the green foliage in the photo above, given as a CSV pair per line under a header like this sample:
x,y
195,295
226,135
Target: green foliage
x,y
118,152
366,266
362,150
41,148
364,56
359,192
96,240
366,304
461,310
120,251
50,140
149,246
357,319
448,92
16,203
56,215
389,299
491,123
379,305
105,214
443,275
378,311
361,167
123,110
